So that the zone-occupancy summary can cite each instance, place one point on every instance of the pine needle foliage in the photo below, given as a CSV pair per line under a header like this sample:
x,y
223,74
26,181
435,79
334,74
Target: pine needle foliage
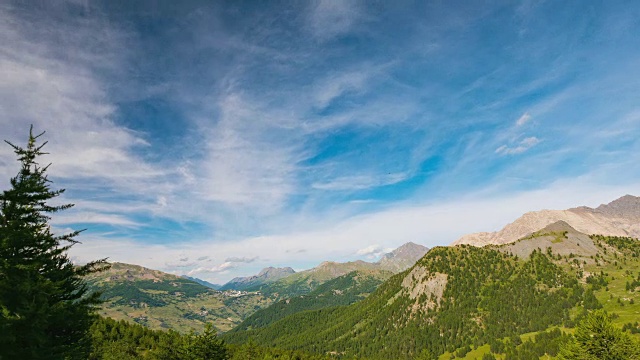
x,y
46,309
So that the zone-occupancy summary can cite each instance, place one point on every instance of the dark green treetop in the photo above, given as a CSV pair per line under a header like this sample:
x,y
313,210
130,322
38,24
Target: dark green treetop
x,y
46,309
598,339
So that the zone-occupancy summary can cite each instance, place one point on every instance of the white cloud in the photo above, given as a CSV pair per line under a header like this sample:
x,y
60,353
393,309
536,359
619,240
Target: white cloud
x,y
360,182
328,18
372,252
522,146
250,160
222,268
523,119
89,217
246,260
50,80
334,86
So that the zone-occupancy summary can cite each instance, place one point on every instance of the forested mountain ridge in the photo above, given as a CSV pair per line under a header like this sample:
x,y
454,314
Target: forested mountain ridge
x,y
620,217
265,276
343,290
203,282
458,298
164,301
304,282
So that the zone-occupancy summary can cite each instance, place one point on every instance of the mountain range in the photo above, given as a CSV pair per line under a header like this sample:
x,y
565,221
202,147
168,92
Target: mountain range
x,y
513,301
203,282
160,300
304,282
620,217
265,276
516,294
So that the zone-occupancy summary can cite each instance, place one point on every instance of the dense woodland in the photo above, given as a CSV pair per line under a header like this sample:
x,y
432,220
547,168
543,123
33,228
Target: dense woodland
x,y
120,340
341,291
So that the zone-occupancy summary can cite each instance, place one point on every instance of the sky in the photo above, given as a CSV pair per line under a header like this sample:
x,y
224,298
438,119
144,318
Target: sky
x,y
217,138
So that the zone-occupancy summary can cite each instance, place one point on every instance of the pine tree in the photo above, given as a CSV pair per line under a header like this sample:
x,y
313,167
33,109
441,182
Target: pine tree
x,y
598,339
46,309
205,346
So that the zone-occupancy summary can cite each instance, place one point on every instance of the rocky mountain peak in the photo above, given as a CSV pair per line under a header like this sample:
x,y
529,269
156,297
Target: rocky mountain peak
x,y
409,250
558,227
403,257
627,206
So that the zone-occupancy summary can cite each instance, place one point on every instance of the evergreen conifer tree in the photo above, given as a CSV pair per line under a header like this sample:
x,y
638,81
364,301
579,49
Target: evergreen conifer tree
x,y
598,339
46,309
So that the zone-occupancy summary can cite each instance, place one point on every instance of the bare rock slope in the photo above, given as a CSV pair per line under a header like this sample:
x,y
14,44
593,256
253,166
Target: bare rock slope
x,y
620,217
560,237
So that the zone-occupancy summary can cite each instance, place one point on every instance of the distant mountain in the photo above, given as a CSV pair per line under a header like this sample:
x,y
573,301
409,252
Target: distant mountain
x,y
403,257
304,282
203,282
620,217
159,300
267,275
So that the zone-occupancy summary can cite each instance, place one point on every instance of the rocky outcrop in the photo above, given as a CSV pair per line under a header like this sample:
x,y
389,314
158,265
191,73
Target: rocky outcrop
x,y
424,287
560,237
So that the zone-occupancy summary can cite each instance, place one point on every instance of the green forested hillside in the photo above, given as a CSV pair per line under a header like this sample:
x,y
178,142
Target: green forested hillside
x,y
304,282
120,340
456,299
344,290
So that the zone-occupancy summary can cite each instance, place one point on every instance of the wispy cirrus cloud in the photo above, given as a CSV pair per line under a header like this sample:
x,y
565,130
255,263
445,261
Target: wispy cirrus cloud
x,y
523,119
328,19
359,182
221,268
520,147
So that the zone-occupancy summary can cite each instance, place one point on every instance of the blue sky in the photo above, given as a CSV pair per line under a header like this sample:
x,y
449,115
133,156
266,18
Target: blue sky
x,y
217,138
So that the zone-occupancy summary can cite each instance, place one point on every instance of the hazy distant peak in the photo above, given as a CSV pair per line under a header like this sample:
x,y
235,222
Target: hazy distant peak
x,y
266,275
270,272
403,257
407,250
626,206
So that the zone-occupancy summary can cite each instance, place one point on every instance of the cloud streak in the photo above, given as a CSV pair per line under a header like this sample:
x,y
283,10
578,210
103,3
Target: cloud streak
x,y
522,146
